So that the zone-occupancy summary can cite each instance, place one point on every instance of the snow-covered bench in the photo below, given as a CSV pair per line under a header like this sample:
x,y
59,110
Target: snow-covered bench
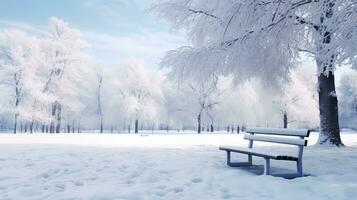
x,y
274,135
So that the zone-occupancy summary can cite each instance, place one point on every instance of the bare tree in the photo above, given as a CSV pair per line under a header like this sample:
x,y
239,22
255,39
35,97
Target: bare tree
x,y
283,105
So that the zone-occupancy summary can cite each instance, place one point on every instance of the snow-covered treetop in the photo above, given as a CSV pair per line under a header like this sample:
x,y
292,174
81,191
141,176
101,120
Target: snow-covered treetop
x,y
66,63
20,57
138,90
259,38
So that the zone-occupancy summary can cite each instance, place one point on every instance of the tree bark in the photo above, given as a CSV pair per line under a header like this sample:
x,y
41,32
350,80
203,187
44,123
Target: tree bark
x,y
285,120
199,123
329,125
17,101
58,118
100,110
15,122
136,126
53,113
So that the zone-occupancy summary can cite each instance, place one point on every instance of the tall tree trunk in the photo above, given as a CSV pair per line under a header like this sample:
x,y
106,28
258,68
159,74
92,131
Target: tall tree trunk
x,y
136,126
100,110
329,126
199,123
31,126
285,119
328,104
15,122
58,118
53,114
17,101
211,128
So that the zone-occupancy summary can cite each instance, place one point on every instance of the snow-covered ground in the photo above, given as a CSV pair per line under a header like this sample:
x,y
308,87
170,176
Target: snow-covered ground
x,y
159,166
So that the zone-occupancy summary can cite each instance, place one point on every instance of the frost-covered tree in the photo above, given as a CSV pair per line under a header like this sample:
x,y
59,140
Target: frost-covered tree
x,y
283,105
264,38
19,62
140,93
200,99
65,70
299,92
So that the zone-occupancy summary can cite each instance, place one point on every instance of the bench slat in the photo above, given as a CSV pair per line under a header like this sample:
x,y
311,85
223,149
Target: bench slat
x,y
278,131
282,140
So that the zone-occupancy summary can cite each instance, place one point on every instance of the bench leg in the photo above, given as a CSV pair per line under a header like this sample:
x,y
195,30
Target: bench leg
x,y
250,159
228,158
238,164
299,168
299,172
267,166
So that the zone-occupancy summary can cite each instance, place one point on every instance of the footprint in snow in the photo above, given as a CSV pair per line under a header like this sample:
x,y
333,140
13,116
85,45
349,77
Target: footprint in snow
x,y
178,189
45,175
196,180
78,183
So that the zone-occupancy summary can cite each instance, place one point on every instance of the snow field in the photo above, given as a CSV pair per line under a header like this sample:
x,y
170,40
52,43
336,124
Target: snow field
x,y
103,167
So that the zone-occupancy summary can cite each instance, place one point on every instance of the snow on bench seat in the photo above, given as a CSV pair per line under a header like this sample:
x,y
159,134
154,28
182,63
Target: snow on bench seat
x,y
258,153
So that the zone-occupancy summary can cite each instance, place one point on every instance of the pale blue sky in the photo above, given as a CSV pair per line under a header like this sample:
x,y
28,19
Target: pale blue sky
x,y
116,29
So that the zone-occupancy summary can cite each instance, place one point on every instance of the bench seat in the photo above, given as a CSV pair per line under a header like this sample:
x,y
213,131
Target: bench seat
x,y
253,152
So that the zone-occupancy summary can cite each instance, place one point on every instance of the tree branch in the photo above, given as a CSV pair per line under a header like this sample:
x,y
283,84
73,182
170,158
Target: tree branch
x,y
301,20
202,12
283,17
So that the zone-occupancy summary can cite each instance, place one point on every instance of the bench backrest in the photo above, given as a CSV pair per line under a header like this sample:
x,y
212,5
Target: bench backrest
x,y
295,136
